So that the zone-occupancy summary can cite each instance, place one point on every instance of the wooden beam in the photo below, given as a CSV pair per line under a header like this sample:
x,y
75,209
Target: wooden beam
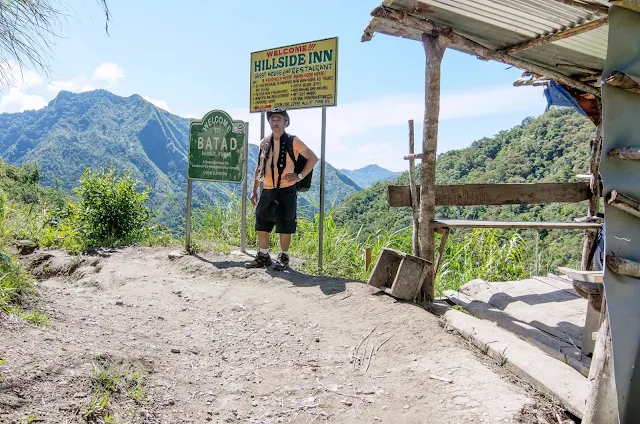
x,y
531,225
624,203
589,7
623,266
621,80
629,153
428,27
556,36
434,47
412,156
495,194
415,199
588,276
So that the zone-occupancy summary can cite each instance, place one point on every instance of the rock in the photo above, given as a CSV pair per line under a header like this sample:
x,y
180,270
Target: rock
x,y
80,395
25,247
175,254
346,402
174,350
317,340
119,303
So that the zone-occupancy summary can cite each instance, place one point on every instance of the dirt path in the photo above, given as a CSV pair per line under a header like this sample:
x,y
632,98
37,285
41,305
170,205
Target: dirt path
x,y
204,340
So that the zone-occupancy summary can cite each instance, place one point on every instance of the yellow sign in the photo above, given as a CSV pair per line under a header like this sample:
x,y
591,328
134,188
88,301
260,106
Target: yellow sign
x,y
295,77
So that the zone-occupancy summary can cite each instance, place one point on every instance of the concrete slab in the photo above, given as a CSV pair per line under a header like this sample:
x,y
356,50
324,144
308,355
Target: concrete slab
x,y
544,372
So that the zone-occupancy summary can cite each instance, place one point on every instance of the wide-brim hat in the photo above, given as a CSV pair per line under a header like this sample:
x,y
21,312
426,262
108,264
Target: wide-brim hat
x,y
279,112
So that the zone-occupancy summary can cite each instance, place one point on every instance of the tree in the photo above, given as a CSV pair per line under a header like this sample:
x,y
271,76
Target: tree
x,y
28,29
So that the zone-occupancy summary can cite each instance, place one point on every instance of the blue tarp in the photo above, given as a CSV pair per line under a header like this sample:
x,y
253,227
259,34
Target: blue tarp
x,y
556,95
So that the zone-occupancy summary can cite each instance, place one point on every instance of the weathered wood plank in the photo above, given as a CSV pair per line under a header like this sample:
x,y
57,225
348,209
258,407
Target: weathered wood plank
x,y
589,7
467,223
621,80
623,266
588,276
415,197
628,153
495,194
556,36
624,203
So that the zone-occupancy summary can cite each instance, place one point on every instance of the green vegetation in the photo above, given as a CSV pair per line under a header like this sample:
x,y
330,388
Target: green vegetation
x,y
112,383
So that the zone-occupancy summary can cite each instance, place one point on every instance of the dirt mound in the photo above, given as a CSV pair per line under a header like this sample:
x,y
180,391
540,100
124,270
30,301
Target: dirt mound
x,y
214,342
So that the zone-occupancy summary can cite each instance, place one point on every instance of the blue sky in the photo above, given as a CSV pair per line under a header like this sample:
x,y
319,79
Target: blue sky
x,y
190,59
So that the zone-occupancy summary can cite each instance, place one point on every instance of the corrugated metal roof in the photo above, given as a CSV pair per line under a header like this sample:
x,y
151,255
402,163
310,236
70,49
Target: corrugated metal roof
x,y
499,24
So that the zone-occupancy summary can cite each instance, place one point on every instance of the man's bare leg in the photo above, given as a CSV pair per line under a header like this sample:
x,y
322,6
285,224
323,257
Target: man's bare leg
x,y
263,239
285,241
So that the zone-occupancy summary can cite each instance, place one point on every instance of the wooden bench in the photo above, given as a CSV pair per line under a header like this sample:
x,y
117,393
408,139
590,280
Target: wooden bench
x,y
588,284
444,226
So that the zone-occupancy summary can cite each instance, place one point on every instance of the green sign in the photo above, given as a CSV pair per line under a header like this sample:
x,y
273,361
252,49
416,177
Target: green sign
x,y
216,148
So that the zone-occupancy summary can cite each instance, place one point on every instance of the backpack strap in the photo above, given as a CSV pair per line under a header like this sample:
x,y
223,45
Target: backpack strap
x,y
289,142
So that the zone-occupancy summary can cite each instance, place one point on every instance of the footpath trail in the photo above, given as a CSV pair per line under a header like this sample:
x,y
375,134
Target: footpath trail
x,y
201,339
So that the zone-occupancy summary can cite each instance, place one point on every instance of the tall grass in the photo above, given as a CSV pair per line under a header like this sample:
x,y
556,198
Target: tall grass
x,y
488,254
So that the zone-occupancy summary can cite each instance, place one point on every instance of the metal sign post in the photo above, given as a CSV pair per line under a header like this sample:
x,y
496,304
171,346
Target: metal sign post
x,y
217,152
322,168
243,223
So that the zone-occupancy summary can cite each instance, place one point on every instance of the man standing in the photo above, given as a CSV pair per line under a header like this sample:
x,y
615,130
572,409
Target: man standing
x,y
279,198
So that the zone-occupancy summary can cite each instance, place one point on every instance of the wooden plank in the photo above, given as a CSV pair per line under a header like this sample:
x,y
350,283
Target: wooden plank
x,y
588,276
495,194
415,197
556,36
464,223
628,153
559,284
589,7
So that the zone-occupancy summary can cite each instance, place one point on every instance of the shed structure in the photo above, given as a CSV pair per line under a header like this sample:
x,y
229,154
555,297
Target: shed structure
x,y
562,42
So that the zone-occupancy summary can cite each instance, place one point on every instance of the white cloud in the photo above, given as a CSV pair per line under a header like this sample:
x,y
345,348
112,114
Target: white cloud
x,y
157,102
16,99
109,72
106,75
19,101
349,124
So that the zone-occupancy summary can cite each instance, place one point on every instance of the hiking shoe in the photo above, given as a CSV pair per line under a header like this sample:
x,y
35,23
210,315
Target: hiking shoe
x,y
262,260
282,262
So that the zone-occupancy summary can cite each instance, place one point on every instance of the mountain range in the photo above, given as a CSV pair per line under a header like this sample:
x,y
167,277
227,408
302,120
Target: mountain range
x,y
98,129
369,175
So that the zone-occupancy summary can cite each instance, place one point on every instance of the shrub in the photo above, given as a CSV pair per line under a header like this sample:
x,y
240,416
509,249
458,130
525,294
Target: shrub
x,y
110,210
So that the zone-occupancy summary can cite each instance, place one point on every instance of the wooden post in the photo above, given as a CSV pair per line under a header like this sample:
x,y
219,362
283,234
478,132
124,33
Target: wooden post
x,y
414,193
594,201
367,259
434,47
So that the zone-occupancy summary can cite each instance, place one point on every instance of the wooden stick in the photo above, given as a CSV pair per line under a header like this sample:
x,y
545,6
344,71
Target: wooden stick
x,y
629,153
589,7
443,243
414,193
623,266
412,156
621,80
625,203
594,200
435,377
434,47
367,259
427,27
559,35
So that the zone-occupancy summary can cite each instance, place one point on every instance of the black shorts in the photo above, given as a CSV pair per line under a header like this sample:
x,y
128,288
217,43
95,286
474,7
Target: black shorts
x,y
278,207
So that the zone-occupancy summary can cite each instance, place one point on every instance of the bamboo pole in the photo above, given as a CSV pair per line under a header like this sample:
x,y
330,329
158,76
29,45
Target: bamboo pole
x,y
474,48
434,47
556,36
414,195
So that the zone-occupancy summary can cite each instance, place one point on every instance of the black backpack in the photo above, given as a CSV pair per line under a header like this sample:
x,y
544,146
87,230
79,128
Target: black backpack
x,y
298,165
